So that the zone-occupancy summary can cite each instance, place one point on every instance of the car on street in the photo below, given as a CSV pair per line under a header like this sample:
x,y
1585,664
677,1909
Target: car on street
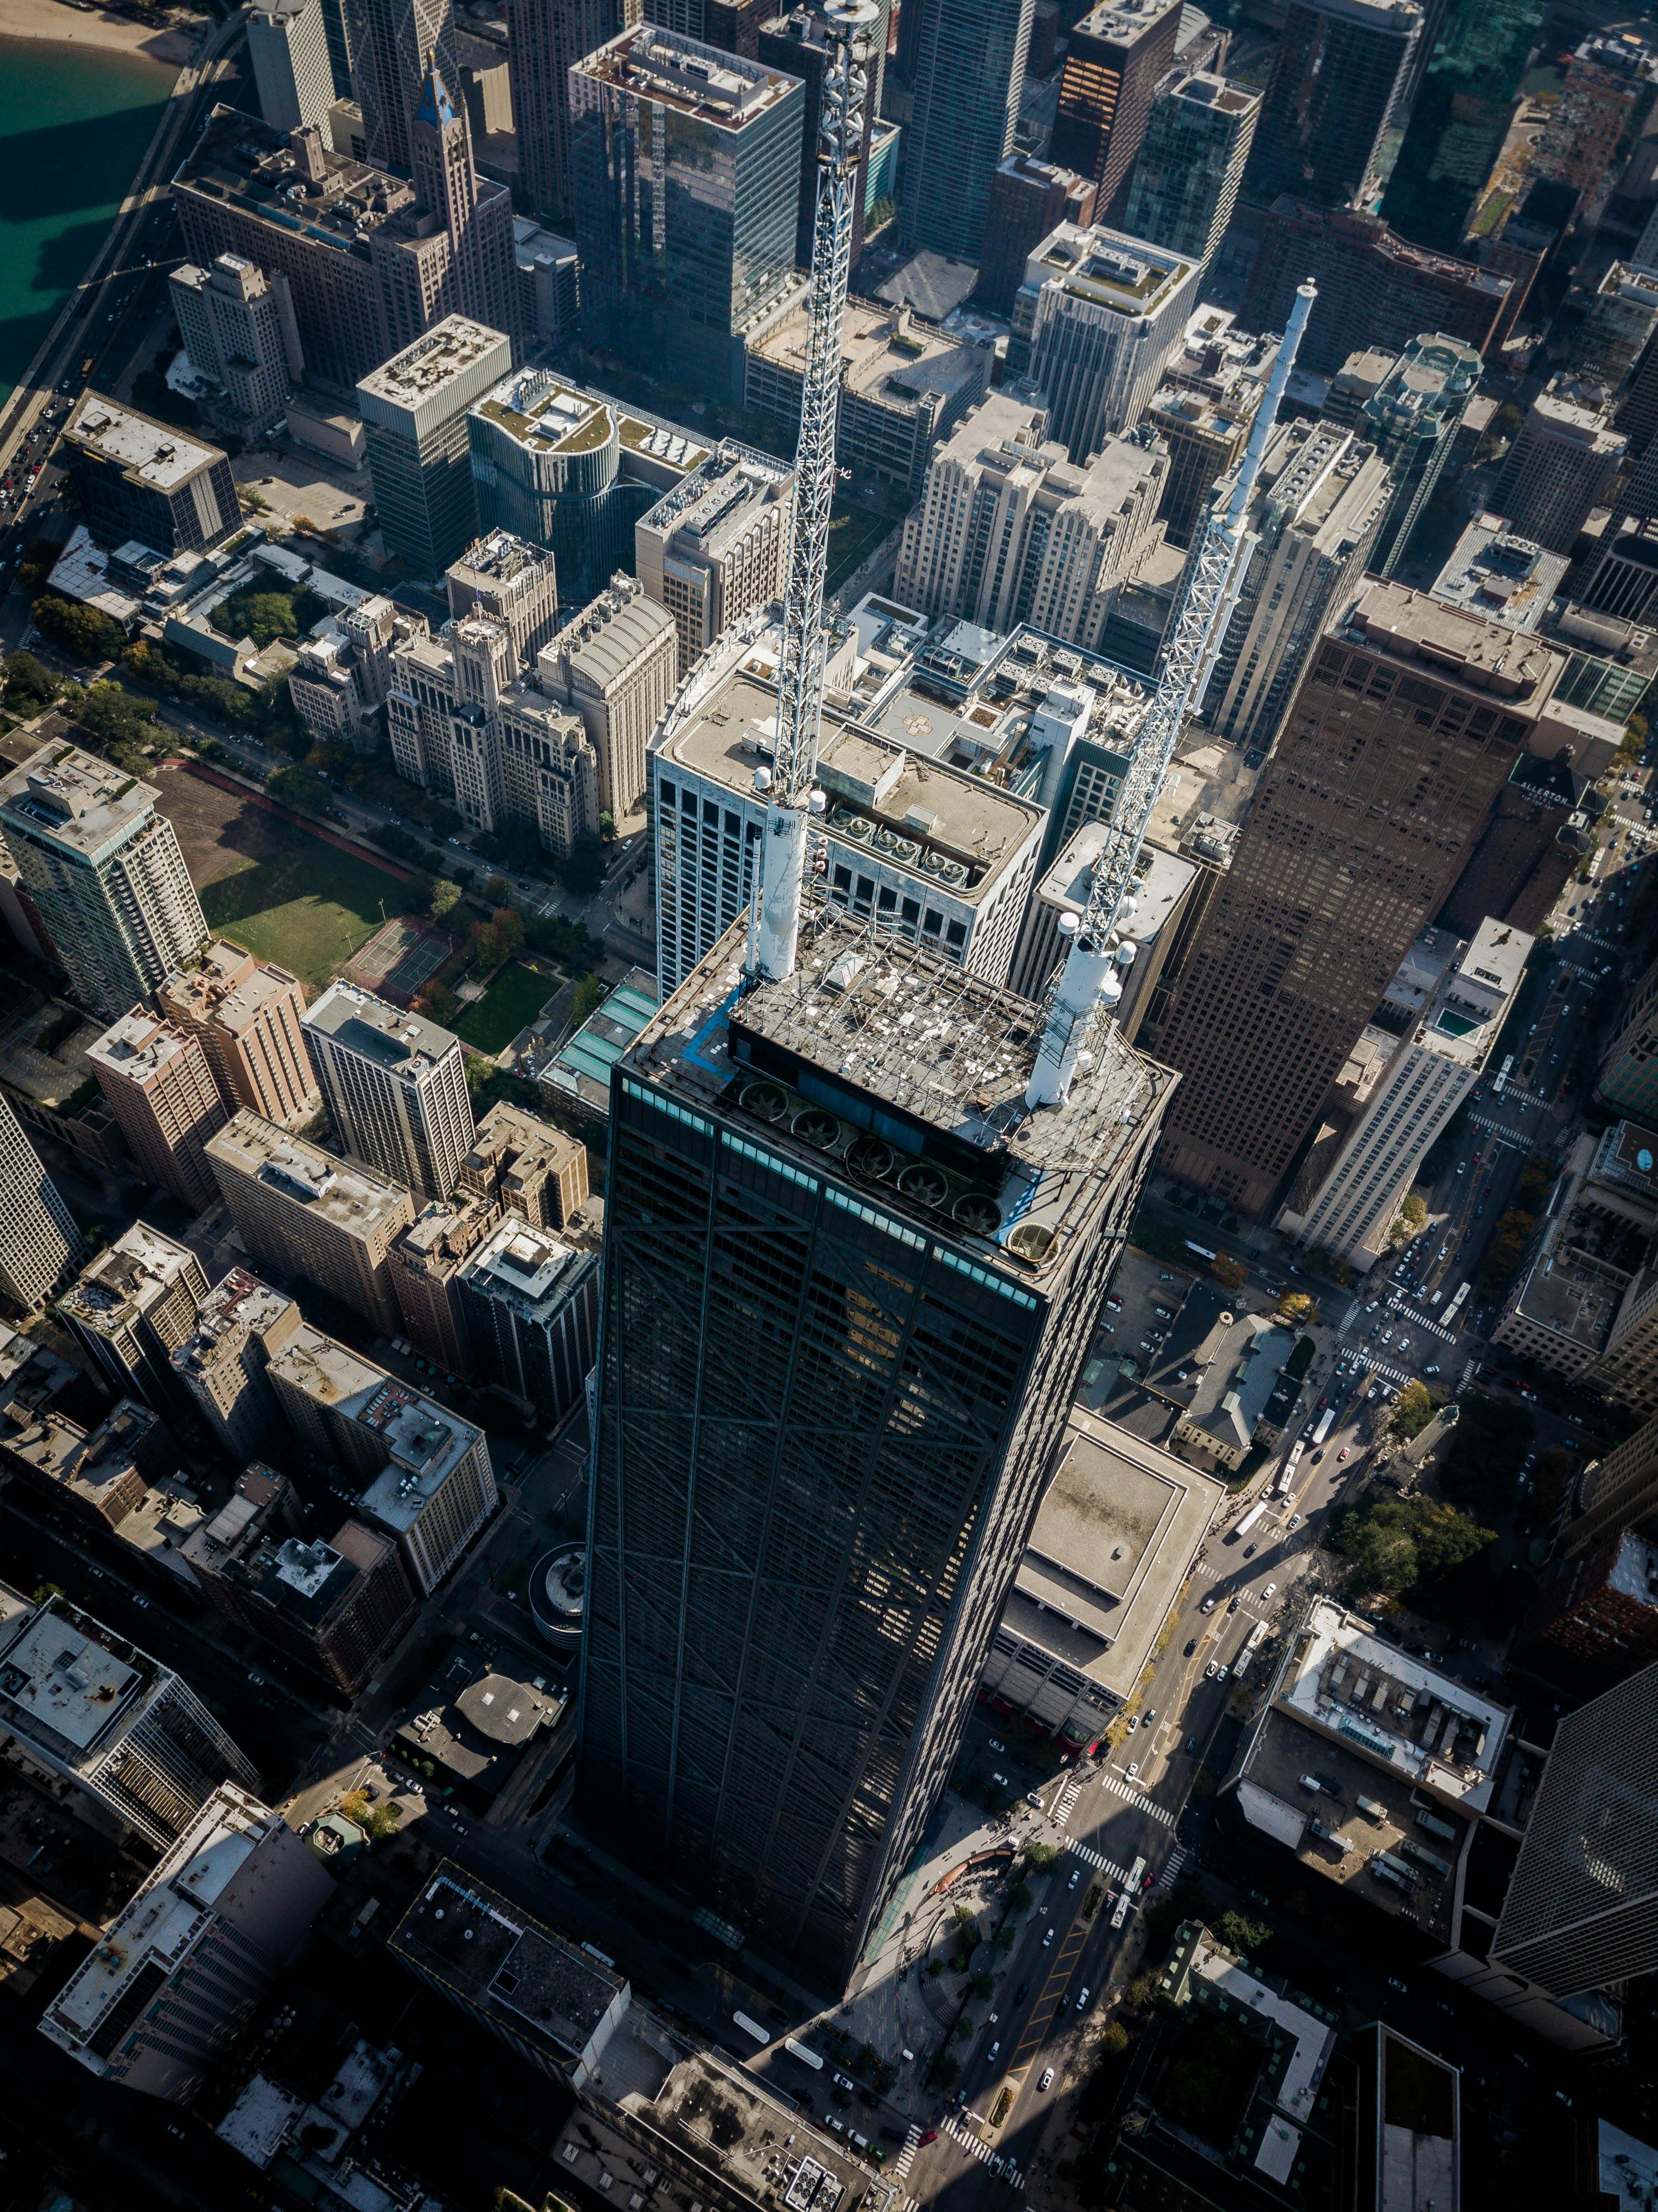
x,y
1191,1647
1047,2081
1047,1939
930,2135
1134,1770
1344,1453
1082,2001
1031,1798
1271,1590
1208,1605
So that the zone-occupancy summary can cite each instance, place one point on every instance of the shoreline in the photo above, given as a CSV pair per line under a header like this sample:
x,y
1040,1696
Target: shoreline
x,y
93,28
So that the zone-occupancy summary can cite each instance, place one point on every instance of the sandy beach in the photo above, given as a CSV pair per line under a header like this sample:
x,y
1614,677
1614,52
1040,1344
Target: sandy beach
x,y
74,27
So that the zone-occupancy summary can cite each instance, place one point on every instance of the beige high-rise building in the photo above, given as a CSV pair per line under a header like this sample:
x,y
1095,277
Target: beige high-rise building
x,y
246,1013
1561,463
161,1091
424,1260
131,1306
241,1324
309,1216
615,666
395,1084
429,1483
527,1166
714,548
103,871
1009,530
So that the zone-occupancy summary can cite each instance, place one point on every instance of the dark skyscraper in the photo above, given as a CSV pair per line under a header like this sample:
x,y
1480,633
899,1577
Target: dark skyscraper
x,y
969,58
850,1281
393,42
1116,57
1409,720
1342,70
686,166
547,37
1460,115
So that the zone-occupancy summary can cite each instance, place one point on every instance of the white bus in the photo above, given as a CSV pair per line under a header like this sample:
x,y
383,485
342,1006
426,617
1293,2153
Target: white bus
x,y
1325,1423
751,2027
1502,1076
1246,1650
1456,1302
1248,1521
1286,1473
806,2056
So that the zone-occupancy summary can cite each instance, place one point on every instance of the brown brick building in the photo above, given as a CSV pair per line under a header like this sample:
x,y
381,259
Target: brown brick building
x,y
1406,725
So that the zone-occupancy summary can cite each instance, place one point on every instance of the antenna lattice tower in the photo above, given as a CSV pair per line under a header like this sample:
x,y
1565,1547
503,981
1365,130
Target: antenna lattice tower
x,y
774,911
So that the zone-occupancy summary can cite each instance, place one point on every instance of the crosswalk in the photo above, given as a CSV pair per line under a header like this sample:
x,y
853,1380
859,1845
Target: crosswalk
x,y
1170,1873
1388,1372
1003,2168
1089,1857
900,2165
1066,1805
1137,1797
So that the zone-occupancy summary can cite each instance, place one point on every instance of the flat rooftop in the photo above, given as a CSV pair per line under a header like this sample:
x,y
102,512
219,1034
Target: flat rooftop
x,y
892,1029
237,1303
1453,642
227,987
149,1936
425,1441
446,354
139,1047
530,1270
704,83
1345,1680
404,1044
120,1282
1498,575
1275,1801
548,415
954,831
76,800
1157,895
889,357
1116,1535
153,453
57,1680
495,1957
237,158
349,1196
1130,276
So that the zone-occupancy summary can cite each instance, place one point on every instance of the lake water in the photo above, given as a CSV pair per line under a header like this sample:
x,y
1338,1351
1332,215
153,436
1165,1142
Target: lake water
x,y
74,125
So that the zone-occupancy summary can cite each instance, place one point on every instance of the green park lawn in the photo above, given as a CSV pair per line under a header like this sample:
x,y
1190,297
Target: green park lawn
x,y
512,1001
306,906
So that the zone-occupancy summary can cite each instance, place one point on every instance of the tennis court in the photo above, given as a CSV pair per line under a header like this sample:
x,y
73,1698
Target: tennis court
x,y
399,958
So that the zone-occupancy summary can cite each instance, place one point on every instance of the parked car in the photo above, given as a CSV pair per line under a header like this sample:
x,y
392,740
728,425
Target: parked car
x,y
1047,2080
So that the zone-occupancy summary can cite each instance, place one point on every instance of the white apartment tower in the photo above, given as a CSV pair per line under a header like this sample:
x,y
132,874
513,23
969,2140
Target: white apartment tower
x,y
395,1087
1008,531
288,46
943,858
1443,1013
168,1987
1104,312
1319,501
238,327
616,666
40,1243
80,1704
104,872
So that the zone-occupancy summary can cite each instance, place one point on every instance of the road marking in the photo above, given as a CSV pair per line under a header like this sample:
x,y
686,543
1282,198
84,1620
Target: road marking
x,y
1096,1859
1168,1875
901,2164
1137,1798
1003,2168
1066,1805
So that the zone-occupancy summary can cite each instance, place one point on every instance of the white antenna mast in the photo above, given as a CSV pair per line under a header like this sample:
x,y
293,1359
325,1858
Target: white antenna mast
x,y
774,907
1098,951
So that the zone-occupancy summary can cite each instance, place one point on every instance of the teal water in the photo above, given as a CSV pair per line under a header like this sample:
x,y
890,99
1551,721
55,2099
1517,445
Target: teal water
x,y
74,125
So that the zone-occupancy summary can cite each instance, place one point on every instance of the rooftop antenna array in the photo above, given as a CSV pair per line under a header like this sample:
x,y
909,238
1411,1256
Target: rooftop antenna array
x,y
775,910
1100,948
